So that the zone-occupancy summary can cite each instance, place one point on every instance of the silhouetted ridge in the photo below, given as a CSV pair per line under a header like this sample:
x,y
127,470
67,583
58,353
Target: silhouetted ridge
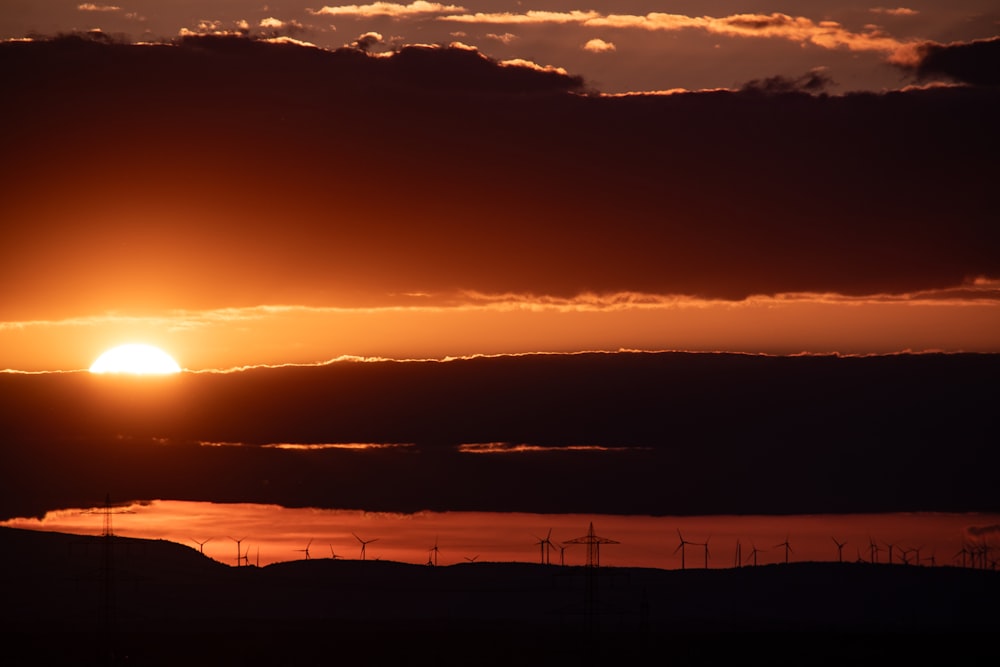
x,y
174,608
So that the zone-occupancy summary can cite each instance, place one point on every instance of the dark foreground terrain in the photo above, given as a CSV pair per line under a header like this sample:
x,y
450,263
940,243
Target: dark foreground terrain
x,y
165,604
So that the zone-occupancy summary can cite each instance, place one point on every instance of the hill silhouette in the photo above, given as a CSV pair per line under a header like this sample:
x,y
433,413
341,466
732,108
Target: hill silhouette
x,y
169,603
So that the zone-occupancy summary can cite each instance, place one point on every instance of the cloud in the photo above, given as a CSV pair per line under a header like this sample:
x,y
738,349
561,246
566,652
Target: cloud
x,y
414,9
761,194
814,81
976,62
368,41
506,38
530,65
898,11
598,46
826,34
460,67
652,409
91,7
530,17
272,23
216,28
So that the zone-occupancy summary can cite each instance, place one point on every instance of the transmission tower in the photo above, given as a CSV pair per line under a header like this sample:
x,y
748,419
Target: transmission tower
x,y
108,567
593,543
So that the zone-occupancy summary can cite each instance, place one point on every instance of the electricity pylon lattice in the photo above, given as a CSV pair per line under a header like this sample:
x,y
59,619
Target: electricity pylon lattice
x,y
593,543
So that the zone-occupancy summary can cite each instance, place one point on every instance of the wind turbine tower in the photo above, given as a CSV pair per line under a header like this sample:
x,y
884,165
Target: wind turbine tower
x,y
681,547
201,545
545,548
432,554
239,551
840,549
788,548
306,550
364,544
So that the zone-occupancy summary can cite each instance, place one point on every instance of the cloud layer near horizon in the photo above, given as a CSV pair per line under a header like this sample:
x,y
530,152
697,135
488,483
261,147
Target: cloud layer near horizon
x,y
662,434
230,172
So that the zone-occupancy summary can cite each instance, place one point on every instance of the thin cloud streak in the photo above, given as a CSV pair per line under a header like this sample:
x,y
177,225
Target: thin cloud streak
x,y
898,11
300,446
92,7
825,34
462,324
519,448
978,292
390,9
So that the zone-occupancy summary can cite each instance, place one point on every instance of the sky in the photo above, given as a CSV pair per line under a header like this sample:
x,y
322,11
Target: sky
x,y
409,253
618,46
434,180
272,534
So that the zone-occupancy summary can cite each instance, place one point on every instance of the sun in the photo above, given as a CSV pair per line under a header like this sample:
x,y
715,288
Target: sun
x,y
136,359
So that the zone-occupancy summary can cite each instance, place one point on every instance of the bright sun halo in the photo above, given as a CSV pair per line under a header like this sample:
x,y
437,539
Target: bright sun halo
x,y
136,359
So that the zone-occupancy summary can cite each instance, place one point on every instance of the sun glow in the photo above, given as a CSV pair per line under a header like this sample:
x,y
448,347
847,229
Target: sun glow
x,y
136,359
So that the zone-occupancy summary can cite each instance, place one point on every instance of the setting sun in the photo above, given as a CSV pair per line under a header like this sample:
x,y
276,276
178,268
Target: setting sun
x,y
137,359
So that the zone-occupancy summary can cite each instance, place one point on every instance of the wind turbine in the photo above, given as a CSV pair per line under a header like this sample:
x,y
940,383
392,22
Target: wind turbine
x,y
239,552
246,556
873,548
306,550
201,545
963,552
680,547
905,555
706,550
333,555
890,546
545,548
433,551
840,549
788,548
753,554
364,544
472,559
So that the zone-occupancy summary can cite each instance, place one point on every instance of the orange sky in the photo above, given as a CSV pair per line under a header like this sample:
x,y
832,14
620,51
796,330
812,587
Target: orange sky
x,y
279,534
619,45
242,201
499,218
421,327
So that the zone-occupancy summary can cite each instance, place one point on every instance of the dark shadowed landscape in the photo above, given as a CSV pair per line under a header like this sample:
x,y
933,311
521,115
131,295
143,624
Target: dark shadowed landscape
x,y
169,604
